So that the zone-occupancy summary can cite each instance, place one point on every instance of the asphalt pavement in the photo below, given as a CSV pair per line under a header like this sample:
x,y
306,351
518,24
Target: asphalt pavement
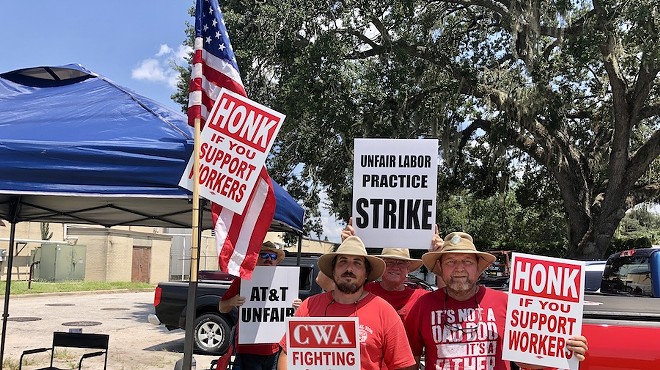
x,y
135,344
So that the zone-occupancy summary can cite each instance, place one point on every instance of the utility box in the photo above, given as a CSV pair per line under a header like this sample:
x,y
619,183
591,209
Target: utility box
x,y
3,255
59,262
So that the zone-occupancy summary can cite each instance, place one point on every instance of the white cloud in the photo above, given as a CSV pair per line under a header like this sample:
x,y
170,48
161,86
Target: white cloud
x,y
158,69
164,50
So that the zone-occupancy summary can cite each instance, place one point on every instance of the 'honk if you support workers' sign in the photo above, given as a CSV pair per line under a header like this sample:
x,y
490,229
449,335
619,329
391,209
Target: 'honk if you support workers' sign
x,y
546,298
234,145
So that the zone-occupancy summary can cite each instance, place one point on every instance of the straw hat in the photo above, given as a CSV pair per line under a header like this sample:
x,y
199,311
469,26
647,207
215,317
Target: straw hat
x,y
352,246
270,247
457,242
401,254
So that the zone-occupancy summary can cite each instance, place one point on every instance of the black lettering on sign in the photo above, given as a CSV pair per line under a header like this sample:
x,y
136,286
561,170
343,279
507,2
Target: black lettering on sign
x,y
394,214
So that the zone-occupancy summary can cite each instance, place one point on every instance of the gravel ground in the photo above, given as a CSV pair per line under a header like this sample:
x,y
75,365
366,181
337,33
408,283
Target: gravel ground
x,y
134,343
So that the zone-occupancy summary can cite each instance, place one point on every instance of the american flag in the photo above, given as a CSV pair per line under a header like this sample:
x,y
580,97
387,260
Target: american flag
x,y
238,237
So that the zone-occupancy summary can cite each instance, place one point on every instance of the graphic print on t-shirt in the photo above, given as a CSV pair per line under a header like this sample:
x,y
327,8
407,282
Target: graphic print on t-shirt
x,y
466,338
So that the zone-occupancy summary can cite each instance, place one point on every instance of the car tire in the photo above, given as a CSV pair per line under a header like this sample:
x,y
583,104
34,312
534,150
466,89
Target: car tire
x,y
212,334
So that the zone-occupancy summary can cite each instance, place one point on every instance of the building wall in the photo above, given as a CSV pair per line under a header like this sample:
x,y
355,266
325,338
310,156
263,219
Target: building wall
x,y
109,251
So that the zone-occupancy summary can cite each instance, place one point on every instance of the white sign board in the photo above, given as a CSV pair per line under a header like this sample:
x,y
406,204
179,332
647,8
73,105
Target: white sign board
x,y
234,145
269,297
323,343
546,298
394,192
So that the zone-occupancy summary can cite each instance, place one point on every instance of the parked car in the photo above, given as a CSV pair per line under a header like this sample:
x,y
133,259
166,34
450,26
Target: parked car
x,y
593,274
212,328
497,274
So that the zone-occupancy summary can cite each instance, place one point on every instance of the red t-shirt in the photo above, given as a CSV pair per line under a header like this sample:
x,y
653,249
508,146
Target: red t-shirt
x,y
459,334
253,349
383,342
401,300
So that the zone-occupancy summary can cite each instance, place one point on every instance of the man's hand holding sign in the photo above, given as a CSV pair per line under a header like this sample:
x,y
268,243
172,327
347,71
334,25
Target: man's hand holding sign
x,y
544,310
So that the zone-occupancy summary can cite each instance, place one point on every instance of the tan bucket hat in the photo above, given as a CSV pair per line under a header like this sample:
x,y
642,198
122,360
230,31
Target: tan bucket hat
x,y
457,242
268,246
401,254
352,246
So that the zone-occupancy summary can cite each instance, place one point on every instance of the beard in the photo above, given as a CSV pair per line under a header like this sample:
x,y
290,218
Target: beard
x,y
349,288
462,285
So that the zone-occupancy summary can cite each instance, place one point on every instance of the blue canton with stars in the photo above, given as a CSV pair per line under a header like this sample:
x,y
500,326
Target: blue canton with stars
x,y
213,31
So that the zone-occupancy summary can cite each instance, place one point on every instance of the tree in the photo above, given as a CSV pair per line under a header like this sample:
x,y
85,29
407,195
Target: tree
x,y
564,88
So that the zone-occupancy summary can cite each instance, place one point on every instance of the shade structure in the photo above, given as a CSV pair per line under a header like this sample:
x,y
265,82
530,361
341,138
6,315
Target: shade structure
x,y
76,147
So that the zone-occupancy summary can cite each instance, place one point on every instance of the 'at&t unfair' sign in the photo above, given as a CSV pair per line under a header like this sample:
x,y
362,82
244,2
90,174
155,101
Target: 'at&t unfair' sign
x,y
234,145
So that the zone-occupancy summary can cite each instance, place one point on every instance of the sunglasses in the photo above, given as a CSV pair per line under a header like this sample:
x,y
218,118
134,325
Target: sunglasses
x,y
268,255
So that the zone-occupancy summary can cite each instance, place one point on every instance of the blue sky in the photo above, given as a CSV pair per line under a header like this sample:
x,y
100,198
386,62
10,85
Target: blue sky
x,y
131,42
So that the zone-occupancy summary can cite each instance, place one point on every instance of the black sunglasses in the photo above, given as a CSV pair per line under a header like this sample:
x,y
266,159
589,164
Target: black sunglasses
x,y
267,255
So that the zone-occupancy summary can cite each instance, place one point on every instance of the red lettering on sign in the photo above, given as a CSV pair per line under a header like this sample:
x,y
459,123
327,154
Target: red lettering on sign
x,y
322,334
546,279
244,122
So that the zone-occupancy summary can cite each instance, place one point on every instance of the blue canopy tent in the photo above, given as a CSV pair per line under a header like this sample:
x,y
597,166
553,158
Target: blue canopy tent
x,y
77,148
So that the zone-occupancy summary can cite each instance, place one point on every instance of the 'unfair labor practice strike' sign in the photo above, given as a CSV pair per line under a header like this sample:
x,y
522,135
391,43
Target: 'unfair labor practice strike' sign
x,y
234,145
546,298
323,343
394,192
269,297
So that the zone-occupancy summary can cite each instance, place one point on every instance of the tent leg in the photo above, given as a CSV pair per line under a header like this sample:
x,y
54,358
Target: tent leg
x,y
5,312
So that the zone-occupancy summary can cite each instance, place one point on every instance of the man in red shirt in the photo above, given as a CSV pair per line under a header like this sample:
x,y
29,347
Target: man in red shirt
x,y
398,264
391,286
462,325
261,356
383,342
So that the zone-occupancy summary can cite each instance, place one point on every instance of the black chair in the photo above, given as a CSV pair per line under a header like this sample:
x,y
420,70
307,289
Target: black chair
x,y
73,340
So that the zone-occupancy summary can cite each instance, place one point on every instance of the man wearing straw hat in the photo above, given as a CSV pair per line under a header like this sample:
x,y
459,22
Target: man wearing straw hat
x,y
383,341
462,325
391,286
398,265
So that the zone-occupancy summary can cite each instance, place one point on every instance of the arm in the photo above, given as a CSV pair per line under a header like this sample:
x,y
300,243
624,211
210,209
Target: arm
x,y
437,242
348,230
226,305
231,298
281,362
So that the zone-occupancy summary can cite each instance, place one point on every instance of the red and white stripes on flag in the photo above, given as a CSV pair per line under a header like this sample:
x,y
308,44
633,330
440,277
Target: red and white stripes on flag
x,y
238,237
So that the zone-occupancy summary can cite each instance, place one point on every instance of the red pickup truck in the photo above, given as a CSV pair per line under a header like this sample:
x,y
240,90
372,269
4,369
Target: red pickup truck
x,y
622,321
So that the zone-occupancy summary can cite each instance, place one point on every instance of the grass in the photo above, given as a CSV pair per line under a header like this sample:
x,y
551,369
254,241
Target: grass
x,y
21,287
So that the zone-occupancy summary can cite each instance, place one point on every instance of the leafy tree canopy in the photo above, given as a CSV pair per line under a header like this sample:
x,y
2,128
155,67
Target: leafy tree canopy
x,y
558,96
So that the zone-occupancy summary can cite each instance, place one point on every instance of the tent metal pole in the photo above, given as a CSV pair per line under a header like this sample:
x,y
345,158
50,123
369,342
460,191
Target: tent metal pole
x,y
5,312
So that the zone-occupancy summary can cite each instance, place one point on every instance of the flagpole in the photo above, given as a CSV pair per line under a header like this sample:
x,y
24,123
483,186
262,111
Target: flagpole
x,y
188,344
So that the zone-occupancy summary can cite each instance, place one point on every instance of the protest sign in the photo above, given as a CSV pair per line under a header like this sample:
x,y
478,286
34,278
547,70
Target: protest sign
x,y
234,145
324,343
269,297
394,192
546,298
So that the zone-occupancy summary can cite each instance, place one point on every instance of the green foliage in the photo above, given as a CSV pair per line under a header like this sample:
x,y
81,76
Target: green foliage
x,y
501,223
556,101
